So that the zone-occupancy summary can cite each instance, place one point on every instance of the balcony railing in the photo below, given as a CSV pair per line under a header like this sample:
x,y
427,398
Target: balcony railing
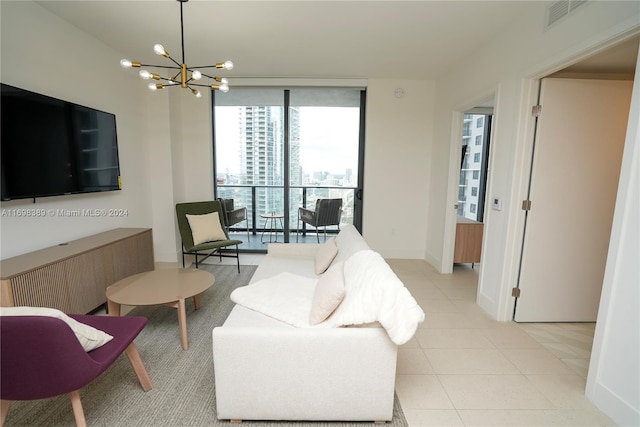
x,y
269,199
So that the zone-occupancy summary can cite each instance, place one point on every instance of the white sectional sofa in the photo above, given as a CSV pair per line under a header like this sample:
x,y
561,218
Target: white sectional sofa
x,y
271,364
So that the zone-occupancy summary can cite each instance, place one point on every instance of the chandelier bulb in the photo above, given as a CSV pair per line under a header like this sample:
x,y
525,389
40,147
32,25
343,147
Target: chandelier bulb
x,y
224,87
227,65
125,63
196,75
196,93
145,74
152,86
159,50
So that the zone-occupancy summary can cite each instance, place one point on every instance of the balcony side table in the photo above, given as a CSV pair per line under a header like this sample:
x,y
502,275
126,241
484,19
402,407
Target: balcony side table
x,y
271,224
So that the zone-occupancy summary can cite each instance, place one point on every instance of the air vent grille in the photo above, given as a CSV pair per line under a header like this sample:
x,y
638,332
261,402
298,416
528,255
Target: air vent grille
x,y
558,10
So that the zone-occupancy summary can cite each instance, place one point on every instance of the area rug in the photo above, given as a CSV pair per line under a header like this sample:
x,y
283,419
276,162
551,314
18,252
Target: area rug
x,y
183,384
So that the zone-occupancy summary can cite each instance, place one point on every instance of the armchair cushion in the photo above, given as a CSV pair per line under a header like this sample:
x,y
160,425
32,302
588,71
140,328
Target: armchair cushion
x,y
89,337
325,255
206,228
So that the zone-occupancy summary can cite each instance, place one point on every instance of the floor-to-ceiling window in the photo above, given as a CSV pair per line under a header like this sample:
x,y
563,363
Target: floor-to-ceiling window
x,y
473,172
276,150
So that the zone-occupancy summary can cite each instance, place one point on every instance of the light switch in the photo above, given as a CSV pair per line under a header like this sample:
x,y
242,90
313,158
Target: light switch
x,y
496,203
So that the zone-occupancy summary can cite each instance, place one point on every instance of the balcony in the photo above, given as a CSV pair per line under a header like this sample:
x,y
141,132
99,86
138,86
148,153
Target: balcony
x,y
269,199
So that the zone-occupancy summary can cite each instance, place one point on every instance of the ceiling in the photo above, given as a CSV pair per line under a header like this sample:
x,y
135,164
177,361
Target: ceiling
x,y
313,39
620,59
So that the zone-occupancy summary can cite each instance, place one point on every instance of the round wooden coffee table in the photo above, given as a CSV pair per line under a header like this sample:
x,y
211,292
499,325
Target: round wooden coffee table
x,y
170,287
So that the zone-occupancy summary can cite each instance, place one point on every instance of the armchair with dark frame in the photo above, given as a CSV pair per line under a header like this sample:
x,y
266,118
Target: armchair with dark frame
x,y
234,215
207,248
327,212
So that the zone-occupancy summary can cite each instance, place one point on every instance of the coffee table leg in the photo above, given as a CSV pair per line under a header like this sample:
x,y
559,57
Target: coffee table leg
x,y
196,301
182,321
113,308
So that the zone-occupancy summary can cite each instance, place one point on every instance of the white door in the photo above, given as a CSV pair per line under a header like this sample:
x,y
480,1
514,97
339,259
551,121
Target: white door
x,y
576,164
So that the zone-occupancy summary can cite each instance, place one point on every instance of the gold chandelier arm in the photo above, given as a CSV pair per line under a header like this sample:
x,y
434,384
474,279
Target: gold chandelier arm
x,y
185,75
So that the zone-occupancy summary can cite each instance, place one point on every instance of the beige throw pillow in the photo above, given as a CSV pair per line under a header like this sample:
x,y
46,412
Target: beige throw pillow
x,y
326,253
206,228
90,338
328,295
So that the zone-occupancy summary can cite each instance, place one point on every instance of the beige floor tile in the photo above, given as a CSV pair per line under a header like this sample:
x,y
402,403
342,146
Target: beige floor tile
x,y
412,343
510,418
458,336
587,417
536,362
449,321
567,351
452,338
430,293
493,392
431,305
511,336
432,417
460,293
564,391
579,366
421,392
469,361
413,361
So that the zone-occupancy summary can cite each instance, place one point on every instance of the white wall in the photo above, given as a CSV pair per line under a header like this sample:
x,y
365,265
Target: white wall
x,y
522,52
44,54
509,67
614,382
396,167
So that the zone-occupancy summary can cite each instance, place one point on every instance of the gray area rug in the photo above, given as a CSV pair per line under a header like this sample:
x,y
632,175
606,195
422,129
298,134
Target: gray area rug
x,y
183,385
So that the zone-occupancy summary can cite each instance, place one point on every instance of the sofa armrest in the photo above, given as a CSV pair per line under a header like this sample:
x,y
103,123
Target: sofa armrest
x,y
317,374
298,250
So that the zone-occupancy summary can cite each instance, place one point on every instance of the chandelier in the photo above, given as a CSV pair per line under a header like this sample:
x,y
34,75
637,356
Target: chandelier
x,y
186,76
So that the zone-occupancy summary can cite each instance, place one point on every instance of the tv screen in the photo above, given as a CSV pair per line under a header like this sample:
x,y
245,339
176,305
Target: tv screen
x,y
52,147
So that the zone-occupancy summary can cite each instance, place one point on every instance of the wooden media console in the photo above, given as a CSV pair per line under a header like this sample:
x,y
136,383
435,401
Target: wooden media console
x,y
73,277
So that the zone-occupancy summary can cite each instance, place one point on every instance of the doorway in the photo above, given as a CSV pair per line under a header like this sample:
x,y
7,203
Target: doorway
x,y
615,64
577,152
474,162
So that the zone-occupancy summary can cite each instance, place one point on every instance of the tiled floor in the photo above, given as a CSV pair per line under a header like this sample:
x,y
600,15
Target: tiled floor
x,y
464,369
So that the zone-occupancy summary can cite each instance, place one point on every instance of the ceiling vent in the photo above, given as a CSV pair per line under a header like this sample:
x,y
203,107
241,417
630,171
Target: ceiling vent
x,y
558,10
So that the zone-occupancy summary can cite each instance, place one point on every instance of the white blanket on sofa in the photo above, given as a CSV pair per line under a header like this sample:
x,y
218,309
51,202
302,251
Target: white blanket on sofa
x,y
373,293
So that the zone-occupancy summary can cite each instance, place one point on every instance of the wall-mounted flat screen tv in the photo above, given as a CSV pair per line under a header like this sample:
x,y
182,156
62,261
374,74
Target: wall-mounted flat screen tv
x,y
52,147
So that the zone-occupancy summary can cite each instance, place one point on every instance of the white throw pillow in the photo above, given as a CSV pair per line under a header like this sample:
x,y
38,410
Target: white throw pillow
x,y
206,228
326,253
90,338
328,295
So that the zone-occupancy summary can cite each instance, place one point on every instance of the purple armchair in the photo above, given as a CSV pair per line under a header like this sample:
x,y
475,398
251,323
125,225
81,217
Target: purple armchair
x,y
40,357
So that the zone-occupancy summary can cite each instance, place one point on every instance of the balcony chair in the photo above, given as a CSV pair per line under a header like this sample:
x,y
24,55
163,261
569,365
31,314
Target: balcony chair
x,y
327,212
203,232
233,215
41,357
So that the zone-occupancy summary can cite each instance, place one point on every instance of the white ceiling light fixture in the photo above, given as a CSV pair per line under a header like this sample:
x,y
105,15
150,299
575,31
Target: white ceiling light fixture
x,y
186,75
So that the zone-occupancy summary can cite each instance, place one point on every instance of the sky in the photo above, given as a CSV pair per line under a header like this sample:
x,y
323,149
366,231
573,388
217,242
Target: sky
x,y
328,139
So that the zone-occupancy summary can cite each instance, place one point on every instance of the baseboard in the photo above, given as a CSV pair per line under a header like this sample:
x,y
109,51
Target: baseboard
x,y
621,412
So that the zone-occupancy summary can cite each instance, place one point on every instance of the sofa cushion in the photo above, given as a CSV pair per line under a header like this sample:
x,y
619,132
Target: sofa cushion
x,y
326,253
89,337
349,241
272,265
206,228
328,294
